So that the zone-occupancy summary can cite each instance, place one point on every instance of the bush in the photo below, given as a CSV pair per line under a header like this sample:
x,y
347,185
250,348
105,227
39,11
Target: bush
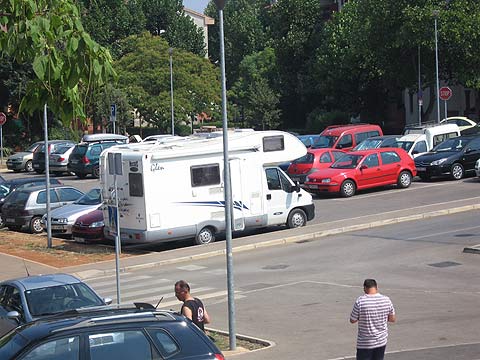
x,y
318,120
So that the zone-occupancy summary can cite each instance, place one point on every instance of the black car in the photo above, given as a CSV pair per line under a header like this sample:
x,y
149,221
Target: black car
x,y
8,186
453,157
110,333
38,161
85,157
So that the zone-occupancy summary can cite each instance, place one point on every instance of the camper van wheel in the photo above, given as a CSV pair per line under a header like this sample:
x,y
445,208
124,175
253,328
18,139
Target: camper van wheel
x,y
96,172
404,180
205,236
296,218
348,188
457,171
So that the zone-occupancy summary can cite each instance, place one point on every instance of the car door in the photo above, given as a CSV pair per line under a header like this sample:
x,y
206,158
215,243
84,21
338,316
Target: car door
x,y
10,300
368,173
471,154
345,142
390,166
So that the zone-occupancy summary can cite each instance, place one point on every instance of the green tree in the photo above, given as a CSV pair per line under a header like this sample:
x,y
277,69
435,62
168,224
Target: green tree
x,y
144,75
67,63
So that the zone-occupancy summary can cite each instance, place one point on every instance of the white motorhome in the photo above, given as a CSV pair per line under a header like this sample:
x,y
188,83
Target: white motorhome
x,y
435,134
175,190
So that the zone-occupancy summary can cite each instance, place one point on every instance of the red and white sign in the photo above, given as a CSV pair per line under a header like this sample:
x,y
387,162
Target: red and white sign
x,y
445,93
3,118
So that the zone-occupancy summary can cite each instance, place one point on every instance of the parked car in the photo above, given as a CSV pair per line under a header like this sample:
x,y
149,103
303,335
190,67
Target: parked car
x,y
435,134
414,144
63,218
11,185
26,299
364,169
85,156
462,122
313,160
58,159
22,161
453,157
25,207
89,227
110,333
477,167
38,161
345,137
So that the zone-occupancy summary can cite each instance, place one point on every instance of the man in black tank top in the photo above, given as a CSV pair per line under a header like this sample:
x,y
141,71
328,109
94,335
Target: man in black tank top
x,y
192,308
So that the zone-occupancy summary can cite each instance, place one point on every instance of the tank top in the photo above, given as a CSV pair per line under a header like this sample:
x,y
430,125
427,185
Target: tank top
x,y
196,306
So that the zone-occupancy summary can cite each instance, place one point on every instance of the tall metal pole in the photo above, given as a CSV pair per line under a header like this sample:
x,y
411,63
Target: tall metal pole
x,y
47,176
419,92
118,242
435,14
228,189
170,52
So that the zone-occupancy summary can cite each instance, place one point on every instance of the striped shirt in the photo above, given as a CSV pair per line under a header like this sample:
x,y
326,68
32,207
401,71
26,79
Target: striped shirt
x,y
371,312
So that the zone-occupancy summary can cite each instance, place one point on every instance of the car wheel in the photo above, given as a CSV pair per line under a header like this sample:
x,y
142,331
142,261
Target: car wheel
x,y
456,171
348,188
205,236
35,226
96,172
81,175
404,179
296,218
29,166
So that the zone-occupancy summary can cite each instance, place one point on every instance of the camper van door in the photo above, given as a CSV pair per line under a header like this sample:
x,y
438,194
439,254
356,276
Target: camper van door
x,y
279,196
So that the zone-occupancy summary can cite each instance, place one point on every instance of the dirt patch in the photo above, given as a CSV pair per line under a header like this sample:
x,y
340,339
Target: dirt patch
x,y
62,253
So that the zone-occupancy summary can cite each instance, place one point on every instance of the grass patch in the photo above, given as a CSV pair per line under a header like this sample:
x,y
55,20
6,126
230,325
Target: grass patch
x,y
223,343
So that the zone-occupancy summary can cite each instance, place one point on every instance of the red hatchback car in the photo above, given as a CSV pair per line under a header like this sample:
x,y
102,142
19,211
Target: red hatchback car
x,y
315,159
364,169
89,227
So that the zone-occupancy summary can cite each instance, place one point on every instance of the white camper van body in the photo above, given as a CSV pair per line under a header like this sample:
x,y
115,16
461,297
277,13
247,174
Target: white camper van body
x,y
175,190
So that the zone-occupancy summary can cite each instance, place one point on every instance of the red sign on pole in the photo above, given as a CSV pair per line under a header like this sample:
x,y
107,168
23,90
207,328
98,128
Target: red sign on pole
x,y
3,118
445,93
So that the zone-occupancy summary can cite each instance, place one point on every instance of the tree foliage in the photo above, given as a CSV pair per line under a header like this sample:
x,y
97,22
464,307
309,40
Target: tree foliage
x,y
144,75
67,63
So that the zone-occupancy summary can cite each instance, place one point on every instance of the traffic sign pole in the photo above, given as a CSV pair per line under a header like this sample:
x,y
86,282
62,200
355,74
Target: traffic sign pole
x,y
445,93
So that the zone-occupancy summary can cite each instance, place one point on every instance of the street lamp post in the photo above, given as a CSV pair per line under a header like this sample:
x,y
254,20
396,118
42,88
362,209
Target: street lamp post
x,y
228,188
435,15
170,52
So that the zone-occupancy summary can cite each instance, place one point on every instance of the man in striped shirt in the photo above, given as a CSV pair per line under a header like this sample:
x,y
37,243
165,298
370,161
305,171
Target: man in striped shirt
x,y
372,311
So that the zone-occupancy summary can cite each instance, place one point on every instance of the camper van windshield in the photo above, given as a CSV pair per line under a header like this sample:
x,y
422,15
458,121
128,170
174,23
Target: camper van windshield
x,y
324,141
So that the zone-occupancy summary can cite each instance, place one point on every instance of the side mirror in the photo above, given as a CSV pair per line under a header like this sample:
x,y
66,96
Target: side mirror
x,y
107,301
468,150
14,315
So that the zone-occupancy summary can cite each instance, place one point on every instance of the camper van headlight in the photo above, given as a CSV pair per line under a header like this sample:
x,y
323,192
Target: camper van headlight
x,y
439,161
326,181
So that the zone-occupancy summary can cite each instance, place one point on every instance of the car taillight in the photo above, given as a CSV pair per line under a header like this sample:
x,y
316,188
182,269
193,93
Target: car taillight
x,y
219,357
85,160
60,159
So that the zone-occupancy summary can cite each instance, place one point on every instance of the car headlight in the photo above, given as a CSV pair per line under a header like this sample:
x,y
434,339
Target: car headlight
x,y
438,162
62,220
96,224
326,181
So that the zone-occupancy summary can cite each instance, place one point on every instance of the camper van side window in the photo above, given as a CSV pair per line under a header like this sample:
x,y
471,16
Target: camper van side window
x,y
273,143
135,184
204,175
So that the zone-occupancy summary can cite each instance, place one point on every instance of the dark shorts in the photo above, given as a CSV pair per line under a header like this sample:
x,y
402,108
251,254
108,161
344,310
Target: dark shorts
x,y
371,354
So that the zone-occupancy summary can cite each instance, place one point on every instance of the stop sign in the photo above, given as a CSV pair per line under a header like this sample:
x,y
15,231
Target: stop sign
x,y
445,93
3,118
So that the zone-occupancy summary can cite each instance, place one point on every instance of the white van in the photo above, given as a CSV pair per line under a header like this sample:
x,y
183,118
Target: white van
x,y
434,135
175,190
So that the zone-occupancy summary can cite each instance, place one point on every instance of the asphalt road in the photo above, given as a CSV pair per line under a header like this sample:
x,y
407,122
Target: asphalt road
x,y
300,295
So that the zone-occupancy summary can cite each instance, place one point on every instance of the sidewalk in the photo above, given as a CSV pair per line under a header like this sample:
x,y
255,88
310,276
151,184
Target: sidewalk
x,y
272,238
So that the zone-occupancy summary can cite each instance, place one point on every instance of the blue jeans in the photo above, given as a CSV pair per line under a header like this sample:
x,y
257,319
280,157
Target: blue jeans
x,y
371,354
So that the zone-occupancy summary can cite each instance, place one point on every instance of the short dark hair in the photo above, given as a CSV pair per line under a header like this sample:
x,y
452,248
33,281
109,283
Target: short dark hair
x,y
370,283
182,284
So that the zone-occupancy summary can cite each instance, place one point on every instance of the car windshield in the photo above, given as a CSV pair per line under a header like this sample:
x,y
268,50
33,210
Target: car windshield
x,y
61,150
453,144
55,299
405,145
80,150
368,144
306,159
93,197
347,161
324,141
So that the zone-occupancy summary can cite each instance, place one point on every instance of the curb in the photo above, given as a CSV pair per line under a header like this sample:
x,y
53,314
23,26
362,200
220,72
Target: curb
x,y
239,350
291,239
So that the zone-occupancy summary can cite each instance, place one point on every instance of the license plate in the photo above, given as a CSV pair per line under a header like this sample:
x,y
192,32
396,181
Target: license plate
x,y
421,169
57,227
36,165
74,161
78,239
10,220
313,186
